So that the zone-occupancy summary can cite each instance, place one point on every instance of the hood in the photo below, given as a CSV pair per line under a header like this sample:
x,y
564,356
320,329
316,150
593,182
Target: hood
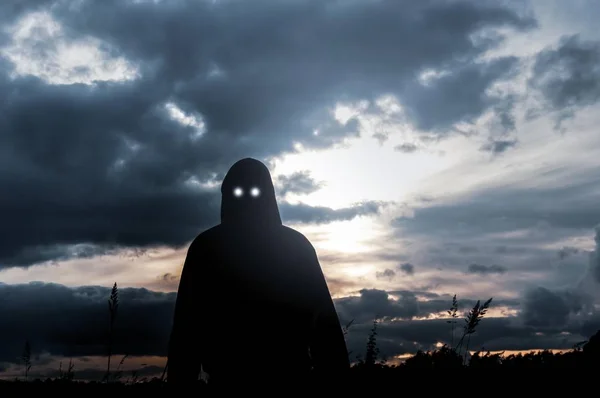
x,y
248,195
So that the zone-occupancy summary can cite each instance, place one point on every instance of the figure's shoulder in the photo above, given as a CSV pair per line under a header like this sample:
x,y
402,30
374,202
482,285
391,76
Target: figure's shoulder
x,y
206,238
296,237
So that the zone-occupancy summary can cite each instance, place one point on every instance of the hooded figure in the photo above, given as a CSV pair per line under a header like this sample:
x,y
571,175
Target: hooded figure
x,y
253,302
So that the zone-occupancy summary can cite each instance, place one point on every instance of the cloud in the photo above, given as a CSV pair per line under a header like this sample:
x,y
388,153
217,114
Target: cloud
x,y
113,239
302,213
385,274
374,303
407,268
400,304
498,146
126,165
340,286
595,256
504,121
545,308
399,331
40,46
64,321
567,251
298,183
298,51
457,95
494,334
72,321
567,75
549,209
522,229
486,269
406,147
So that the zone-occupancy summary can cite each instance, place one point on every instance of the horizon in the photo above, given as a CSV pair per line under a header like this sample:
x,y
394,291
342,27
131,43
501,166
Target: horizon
x,y
426,149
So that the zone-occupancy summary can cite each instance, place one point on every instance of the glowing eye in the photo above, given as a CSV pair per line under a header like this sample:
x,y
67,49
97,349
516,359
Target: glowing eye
x,y
237,192
255,192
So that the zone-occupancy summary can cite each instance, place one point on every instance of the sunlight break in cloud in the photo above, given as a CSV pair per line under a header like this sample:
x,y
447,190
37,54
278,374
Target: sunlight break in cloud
x,y
40,47
364,168
194,121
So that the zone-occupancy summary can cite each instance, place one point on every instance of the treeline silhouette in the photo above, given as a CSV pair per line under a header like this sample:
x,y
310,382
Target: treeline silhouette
x,y
369,369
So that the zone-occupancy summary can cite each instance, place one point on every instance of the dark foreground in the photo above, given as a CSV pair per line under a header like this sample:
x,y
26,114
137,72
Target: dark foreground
x,y
440,370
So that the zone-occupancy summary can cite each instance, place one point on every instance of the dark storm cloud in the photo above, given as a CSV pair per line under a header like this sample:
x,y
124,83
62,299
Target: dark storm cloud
x,y
591,326
513,226
299,182
407,268
567,75
494,334
458,95
68,187
468,249
319,215
374,303
498,146
378,304
318,53
407,336
543,307
510,225
486,269
504,118
567,251
571,205
106,166
404,334
13,9
72,321
385,274
595,256
407,147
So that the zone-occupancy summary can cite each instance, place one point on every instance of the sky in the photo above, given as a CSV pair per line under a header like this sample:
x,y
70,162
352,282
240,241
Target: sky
x,y
426,148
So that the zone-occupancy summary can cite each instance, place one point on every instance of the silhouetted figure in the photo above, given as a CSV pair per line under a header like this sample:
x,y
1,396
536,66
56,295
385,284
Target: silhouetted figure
x,y
253,303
